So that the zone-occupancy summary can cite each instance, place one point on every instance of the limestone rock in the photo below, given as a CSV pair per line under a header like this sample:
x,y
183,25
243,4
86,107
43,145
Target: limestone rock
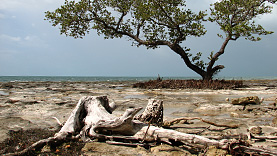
x,y
246,100
215,151
97,148
166,150
274,122
256,130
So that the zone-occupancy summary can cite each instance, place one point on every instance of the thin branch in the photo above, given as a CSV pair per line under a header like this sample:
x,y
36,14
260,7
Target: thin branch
x,y
162,24
135,37
219,53
172,21
138,28
120,20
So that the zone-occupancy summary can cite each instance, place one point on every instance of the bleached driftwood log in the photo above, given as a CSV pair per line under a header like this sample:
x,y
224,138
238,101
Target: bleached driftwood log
x,y
93,118
86,114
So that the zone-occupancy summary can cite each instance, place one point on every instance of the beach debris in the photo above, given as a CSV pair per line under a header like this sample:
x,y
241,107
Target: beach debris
x,y
92,119
246,100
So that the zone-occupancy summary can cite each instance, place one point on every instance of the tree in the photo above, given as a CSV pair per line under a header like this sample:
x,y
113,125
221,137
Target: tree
x,y
154,23
236,19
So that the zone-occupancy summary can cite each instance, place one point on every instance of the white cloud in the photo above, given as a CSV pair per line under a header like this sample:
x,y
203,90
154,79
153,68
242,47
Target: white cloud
x,y
32,38
27,38
10,38
2,16
27,41
13,5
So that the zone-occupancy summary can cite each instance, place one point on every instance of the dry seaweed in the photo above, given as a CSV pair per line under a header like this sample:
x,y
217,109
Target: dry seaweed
x,y
22,139
192,84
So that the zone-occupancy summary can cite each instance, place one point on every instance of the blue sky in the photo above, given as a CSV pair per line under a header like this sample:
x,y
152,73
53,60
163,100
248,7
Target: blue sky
x,y
30,46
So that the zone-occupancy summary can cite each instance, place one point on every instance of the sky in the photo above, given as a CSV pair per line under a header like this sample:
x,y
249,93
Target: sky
x,y
31,46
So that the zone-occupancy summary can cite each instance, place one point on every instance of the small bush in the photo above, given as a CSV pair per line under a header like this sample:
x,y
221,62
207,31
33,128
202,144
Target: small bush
x,y
192,84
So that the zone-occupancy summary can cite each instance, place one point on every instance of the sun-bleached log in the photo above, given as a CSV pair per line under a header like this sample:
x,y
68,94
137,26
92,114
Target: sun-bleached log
x,y
156,133
92,118
86,114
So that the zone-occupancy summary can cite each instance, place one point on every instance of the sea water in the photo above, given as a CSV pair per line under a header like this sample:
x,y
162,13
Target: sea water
x,y
81,78
107,78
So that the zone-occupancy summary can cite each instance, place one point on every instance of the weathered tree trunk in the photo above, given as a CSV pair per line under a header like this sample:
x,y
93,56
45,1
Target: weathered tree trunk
x,y
93,118
211,70
153,113
85,116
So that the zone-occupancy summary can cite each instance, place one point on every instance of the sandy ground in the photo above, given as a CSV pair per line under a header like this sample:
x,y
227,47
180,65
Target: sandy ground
x,y
33,104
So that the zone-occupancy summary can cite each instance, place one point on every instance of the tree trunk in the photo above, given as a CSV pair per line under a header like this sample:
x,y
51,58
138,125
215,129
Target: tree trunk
x,y
211,69
184,55
207,76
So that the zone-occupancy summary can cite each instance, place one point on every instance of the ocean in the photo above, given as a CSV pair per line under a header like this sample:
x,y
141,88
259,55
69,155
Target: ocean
x,y
82,78
107,78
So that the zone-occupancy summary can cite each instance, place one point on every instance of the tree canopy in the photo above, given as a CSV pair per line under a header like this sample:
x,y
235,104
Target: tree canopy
x,y
153,23
146,22
236,18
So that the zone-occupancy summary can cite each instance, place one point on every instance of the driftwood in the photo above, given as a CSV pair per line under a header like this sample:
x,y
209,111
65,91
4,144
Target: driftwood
x,y
153,113
92,118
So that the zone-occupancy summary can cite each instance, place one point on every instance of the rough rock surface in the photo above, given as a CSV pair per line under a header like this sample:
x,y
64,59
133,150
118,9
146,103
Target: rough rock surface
x,y
246,100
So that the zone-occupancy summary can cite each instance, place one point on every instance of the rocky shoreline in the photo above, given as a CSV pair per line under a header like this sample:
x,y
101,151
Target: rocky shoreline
x,y
28,105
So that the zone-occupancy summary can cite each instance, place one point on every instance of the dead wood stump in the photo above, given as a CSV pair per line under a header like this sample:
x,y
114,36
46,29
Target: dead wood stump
x,y
153,113
92,118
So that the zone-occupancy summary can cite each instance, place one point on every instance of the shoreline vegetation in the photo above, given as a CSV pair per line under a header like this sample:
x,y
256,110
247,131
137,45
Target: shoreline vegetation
x,y
194,95
190,84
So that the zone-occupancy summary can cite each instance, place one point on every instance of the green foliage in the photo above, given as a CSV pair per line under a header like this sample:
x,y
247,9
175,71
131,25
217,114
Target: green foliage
x,y
237,17
211,56
153,23
145,22
199,63
72,17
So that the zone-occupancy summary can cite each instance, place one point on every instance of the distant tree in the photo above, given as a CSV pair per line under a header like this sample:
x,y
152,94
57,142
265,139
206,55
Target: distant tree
x,y
154,23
